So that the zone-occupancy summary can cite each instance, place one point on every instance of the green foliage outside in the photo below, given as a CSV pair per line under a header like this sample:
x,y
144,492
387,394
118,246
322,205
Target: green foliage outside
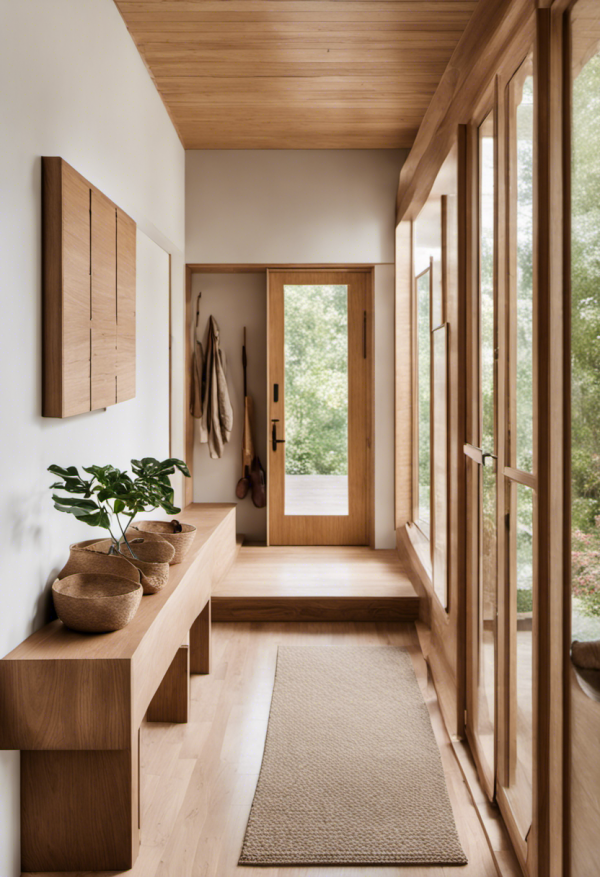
x,y
424,393
585,340
524,282
486,287
316,380
524,600
523,322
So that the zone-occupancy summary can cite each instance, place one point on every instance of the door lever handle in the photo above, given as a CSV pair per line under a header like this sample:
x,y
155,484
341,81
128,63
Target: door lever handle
x,y
485,455
274,440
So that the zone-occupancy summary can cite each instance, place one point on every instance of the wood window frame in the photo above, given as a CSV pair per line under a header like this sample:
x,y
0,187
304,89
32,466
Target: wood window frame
x,y
504,46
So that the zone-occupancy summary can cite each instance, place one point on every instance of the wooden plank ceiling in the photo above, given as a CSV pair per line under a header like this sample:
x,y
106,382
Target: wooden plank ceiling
x,y
296,74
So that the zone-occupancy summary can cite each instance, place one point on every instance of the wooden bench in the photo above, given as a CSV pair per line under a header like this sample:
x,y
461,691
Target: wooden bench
x,y
73,703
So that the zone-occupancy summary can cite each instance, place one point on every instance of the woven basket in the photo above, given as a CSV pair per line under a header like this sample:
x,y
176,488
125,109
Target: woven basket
x,y
96,603
181,541
86,557
152,559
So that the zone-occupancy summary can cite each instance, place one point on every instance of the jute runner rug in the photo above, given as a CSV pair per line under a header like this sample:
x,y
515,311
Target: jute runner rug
x,y
351,772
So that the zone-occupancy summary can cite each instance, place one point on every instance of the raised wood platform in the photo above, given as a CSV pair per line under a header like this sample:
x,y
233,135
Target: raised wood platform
x,y
74,703
315,584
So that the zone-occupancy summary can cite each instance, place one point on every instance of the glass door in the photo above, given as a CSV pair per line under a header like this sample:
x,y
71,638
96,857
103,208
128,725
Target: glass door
x,y
481,452
515,792
319,478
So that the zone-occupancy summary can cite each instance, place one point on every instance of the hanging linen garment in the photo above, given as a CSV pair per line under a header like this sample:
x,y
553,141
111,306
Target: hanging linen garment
x,y
217,414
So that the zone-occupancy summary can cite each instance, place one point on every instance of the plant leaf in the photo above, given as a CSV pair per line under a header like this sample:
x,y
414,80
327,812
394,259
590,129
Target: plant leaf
x,y
65,473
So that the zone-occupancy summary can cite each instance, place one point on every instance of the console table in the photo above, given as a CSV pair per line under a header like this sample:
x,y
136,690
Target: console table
x,y
73,704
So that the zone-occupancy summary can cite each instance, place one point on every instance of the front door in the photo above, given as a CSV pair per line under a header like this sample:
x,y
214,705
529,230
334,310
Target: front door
x,y
319,413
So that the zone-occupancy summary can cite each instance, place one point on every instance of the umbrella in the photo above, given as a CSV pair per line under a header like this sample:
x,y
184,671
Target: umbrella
x,y
253,474
244,484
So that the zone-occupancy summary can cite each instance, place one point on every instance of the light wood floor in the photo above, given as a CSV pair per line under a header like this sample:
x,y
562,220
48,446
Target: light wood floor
x,y
198,779
321,571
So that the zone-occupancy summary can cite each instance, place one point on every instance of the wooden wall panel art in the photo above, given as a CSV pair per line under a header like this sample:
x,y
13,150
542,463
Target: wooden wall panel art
x,y
89,251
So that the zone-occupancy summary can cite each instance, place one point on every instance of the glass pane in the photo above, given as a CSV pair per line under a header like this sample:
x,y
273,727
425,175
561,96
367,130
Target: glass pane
x,y
585,324
428,245
486,711
521,194
316,399
424,398
522,766
486,282
440,453
486,707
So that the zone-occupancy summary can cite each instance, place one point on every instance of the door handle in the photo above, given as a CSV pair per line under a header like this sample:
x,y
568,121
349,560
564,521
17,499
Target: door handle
x,y
478,455
274,440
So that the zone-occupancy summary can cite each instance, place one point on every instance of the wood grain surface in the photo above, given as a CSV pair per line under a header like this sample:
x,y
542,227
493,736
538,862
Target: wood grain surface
x,y
299,74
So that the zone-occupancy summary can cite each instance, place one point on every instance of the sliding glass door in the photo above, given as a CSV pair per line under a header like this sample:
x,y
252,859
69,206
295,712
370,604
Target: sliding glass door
x,y
481,453
516,776
501,488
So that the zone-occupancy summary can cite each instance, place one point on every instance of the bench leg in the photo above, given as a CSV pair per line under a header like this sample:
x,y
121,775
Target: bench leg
x,y
200,642
79,810
171,703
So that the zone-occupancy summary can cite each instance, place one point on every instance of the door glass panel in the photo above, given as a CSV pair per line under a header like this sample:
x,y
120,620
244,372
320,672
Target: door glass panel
x,y
585,324
519,611
316,399
521,261
488,570
424,397
521,773
439,355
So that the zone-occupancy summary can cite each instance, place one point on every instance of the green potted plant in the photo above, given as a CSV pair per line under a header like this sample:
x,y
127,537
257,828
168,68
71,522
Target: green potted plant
x,y
111,498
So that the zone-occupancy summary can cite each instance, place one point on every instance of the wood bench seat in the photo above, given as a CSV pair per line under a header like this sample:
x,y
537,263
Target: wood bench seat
x,y
73,703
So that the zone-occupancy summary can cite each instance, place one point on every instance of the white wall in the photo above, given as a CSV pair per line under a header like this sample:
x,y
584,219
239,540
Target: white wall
x,y
73,85
235,301
308,206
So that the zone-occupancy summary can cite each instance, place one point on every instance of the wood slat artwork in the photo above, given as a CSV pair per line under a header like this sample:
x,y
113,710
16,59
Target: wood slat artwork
x,y
297,74
89,269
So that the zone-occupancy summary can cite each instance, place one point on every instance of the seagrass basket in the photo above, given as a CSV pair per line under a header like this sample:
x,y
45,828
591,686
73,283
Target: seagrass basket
x,y
181,541
152,558
86,557
96,603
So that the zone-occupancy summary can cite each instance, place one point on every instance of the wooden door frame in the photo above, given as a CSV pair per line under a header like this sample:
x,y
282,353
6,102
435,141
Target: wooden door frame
x,y
192,268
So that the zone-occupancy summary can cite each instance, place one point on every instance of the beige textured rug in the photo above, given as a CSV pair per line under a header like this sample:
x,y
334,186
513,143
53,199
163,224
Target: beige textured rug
x,y
351,772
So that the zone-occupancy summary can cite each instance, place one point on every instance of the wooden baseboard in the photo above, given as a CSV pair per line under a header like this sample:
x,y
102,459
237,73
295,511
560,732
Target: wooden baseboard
x,y
315,608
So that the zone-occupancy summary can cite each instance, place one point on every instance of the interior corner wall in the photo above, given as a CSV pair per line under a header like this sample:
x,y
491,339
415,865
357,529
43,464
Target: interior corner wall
x,y
308,207
73,85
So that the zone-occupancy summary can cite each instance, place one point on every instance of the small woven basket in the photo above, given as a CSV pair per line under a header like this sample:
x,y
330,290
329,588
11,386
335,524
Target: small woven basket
x,y
181,541
86,557
152,559
93,603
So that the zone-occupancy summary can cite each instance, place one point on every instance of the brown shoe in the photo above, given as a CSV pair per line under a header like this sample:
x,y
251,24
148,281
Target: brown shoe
x,y
243,485
258,480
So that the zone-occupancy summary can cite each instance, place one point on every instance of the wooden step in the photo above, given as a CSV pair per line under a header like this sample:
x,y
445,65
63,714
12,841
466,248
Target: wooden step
x,y
314,608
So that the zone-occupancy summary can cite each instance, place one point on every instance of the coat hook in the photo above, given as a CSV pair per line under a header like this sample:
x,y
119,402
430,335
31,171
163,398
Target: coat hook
x,y
198,308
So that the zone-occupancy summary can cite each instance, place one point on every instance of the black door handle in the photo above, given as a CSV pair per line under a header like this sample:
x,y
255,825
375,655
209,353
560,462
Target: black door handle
x,y
274,440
